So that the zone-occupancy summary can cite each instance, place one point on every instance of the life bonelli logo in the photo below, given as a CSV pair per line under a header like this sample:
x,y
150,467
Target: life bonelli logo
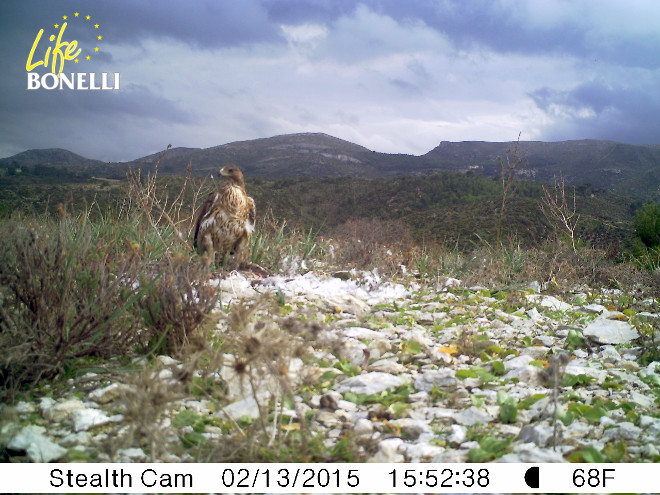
x,y
46,61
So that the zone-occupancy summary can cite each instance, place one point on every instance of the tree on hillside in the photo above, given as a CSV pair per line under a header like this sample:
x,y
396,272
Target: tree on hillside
x,y
512,162
647,224
560,211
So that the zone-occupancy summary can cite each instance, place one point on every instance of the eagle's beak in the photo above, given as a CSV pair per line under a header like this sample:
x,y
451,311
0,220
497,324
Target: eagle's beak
x,y
223,171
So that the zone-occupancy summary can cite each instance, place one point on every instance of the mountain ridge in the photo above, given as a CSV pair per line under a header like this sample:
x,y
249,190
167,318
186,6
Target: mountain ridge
x,y
633,170
46,156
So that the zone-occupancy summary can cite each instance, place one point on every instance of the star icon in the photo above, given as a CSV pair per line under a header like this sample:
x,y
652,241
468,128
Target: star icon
x,y
64,17
96,26
75,61
88,17
56,26
76,14
88,57
100,37
96,49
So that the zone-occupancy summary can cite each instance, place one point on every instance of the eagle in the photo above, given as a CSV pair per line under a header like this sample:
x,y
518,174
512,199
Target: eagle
x,y
226,221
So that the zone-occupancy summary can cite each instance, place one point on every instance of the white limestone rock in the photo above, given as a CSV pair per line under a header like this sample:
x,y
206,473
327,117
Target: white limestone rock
x,y
61,411
84,419
236,410
374,382
443,379
39,447
472,416
605,330
549,302
388,451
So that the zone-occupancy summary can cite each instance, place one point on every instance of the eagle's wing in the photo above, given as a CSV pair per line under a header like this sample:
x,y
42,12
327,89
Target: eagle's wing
x,y
206,207
252,214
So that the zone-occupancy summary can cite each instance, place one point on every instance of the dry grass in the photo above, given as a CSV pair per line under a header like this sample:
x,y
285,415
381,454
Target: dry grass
x,y
75,288
175,305
64,297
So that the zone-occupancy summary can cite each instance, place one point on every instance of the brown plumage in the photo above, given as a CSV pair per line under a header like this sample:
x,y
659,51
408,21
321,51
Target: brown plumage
x,y
226,221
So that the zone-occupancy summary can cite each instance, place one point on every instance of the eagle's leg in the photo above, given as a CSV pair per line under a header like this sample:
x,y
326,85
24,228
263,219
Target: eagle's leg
x,y
208,251
241,250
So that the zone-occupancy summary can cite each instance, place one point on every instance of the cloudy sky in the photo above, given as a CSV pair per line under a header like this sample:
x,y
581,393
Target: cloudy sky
x,y
394,76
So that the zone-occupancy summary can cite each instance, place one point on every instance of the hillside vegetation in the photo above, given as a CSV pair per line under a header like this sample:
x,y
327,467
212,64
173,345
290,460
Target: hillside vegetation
x,y
629,170
442,207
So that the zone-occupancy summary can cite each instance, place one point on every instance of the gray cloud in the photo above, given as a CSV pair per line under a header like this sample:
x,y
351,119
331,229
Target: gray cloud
x,y
598,109
390,75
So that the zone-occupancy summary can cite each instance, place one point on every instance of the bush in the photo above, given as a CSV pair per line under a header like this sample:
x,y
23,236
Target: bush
x,y
175,305
647,224
64,297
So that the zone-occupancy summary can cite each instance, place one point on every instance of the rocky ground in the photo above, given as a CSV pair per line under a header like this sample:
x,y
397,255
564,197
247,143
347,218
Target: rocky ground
x,y
408,370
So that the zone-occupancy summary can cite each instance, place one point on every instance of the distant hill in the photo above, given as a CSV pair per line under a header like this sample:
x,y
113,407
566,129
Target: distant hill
x,y
172,152
291,155
626,169
49,156
599,163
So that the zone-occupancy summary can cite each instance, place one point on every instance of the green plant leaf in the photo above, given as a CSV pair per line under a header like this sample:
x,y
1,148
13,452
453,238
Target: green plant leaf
x,y
490,447
573,380
615,451
483,374
527,402
463,374
193,439
508,410
594,414
498,367
184,418
587,454
398,408
574,339
411,347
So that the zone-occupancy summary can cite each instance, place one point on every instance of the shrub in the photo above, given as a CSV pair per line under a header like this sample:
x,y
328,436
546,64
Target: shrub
x,y
647,224
175,305
64,297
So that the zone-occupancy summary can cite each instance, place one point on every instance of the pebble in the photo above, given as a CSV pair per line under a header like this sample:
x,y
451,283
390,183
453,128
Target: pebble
x,y
442,379
84,419
625,431
243,408
458,434
411,428
388,451
549,302
472,416
606,330
38,447
110,393
61,411
373,382
363,427
433,414
389,365
538,434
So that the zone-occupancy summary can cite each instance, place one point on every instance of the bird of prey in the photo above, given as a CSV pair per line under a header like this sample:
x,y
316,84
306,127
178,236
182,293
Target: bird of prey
x,y
226,221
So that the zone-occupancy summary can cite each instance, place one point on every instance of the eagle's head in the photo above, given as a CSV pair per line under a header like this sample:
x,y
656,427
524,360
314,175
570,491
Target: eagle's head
x,y
232,173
